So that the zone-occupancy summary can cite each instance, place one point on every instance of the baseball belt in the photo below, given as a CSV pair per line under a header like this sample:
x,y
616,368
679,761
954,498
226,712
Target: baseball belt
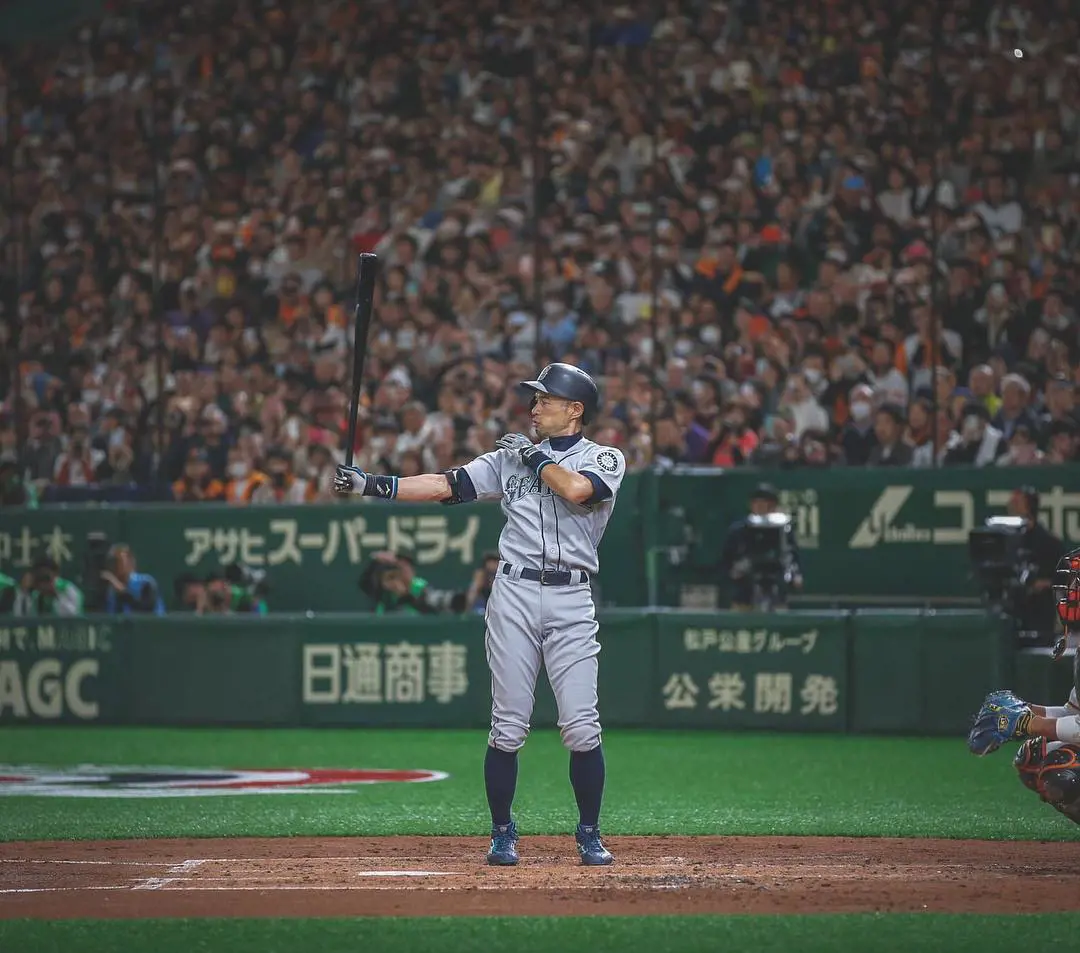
x,y
546,577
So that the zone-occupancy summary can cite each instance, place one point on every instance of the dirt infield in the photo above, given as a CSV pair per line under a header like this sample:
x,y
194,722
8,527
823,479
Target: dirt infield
x,y
417,876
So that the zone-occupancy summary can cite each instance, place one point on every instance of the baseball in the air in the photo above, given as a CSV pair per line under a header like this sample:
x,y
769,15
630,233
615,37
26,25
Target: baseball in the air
x,y
1018,53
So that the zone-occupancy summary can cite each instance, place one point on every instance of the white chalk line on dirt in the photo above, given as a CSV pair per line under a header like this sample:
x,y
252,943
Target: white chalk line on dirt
x,y
408,873
274,888
58,889
54,860
175,867
177,874
172,875
260,878
601,881
353,858
558,859
174,870
185,889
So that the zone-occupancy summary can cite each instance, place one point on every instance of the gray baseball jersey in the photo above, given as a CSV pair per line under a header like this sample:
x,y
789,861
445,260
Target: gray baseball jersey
x,y
544,531
528,623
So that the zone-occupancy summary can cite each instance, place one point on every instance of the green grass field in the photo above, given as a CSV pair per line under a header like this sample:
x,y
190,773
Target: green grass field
x,y
658,783
870,933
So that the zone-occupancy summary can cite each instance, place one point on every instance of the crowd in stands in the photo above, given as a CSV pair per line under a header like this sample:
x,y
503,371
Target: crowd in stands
x,y
729,212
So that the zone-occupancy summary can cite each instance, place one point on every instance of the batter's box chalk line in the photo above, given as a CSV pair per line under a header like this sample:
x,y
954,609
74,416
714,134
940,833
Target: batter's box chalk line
x,y
105,863
175,873
408,873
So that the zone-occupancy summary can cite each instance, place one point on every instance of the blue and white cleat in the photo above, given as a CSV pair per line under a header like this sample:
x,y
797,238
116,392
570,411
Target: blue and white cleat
x,y
503,852
591,847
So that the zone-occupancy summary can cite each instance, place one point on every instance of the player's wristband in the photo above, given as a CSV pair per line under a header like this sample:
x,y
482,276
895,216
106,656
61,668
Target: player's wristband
x,y
536,460
383,487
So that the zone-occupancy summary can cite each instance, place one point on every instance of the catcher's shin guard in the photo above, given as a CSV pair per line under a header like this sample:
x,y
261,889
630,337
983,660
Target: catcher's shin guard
x,y
1052,770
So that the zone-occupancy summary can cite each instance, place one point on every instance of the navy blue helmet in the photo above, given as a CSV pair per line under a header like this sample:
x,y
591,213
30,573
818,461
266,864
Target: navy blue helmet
x,y
570,383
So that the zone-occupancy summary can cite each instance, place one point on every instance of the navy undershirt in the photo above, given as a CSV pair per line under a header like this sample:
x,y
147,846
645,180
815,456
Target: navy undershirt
x,y
565,442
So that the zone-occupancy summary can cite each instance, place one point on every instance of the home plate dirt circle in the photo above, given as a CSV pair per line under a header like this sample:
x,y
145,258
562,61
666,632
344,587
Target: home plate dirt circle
x,y
418,876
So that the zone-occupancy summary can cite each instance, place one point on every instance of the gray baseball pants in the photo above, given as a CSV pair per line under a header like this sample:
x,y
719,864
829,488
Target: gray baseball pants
x,y
528,623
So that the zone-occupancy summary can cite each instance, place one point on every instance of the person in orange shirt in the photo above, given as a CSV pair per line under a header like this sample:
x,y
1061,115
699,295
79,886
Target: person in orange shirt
x,y
244,480
719,276
197,484
734,442
292,302
283,486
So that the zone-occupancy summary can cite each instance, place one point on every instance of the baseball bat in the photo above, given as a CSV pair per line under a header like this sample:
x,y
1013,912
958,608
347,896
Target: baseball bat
x,y
366,270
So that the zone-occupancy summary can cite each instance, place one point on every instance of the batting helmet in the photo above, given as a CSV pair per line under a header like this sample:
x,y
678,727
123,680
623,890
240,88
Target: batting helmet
x,y
570,383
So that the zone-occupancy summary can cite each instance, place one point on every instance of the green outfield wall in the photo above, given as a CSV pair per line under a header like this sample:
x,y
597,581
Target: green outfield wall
x,y
863,533
313,555
865,671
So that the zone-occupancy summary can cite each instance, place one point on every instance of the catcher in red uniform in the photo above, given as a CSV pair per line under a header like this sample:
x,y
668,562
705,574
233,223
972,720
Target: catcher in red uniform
x,y
1049,759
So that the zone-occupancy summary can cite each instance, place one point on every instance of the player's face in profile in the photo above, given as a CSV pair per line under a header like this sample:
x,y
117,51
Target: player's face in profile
x,y
553,416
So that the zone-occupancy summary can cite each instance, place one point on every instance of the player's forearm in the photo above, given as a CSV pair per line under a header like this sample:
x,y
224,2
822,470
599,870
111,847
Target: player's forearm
x,y
566,483
1055,729
425,488
1054,711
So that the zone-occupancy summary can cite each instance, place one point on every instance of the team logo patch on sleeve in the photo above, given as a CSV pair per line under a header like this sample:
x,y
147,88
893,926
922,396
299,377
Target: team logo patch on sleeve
x,y
606,460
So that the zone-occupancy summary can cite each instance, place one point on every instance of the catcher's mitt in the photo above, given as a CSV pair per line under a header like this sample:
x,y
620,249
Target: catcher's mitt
x,y
1003,716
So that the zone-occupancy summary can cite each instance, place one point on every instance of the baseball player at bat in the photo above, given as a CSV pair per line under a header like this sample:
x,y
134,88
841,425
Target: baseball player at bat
x,y
557,496
1049,759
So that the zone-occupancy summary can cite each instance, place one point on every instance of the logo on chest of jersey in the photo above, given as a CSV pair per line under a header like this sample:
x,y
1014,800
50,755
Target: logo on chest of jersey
x,y
518,487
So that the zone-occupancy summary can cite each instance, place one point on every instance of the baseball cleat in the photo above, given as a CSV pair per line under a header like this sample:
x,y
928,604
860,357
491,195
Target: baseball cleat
x,y
503,852
591,848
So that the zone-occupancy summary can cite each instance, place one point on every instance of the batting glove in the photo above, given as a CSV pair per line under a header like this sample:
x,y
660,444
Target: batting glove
x,y
531,455
350,480
515,441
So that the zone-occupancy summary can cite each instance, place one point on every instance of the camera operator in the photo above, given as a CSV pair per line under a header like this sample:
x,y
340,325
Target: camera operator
x,y
390,580
760,579
249,588
235,589
44,592
129,591
219,594
190,592
480,587
1036,611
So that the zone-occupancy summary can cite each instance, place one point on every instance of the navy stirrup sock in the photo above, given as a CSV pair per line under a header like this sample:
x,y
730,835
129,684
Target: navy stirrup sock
x,y
587,778
500,779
